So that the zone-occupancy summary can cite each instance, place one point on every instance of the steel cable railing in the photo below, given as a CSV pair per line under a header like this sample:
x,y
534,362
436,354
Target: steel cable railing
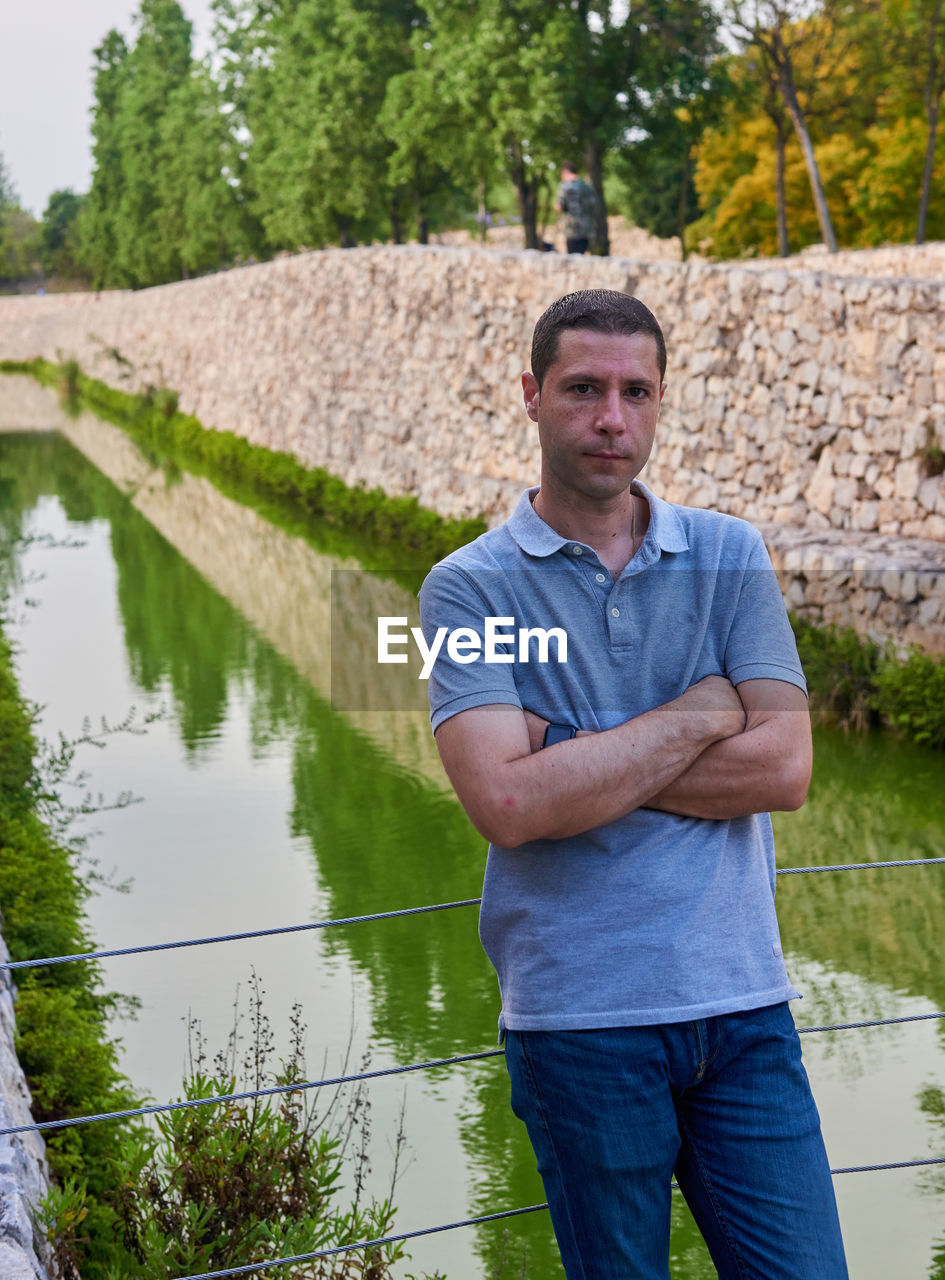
x,y
251,1268
111,953
300,1086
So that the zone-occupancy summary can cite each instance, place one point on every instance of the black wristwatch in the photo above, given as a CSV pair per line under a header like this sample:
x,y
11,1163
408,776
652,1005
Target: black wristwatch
x,y
558,733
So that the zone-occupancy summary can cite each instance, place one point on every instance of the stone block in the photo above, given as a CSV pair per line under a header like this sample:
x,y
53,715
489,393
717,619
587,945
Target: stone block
x,y
807,374
907,478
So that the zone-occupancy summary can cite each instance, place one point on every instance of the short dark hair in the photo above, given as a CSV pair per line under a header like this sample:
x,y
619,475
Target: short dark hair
x,y
603,311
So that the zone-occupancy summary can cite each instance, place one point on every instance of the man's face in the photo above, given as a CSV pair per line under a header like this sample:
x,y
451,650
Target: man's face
x,y
596,413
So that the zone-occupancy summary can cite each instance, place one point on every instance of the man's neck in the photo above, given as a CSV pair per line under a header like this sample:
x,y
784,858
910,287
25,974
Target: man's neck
x,y
615,529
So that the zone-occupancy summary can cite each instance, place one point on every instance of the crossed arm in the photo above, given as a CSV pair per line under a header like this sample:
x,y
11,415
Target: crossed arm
x,y
714,752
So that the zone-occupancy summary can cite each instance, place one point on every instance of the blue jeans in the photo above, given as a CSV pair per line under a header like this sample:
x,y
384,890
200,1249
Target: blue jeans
x,y
723,1103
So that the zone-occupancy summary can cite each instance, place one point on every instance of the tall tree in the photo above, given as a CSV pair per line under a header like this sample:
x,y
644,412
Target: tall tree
x,y
915,47
318,160
200,212
60,240
157,67
933,31
778,29
19,232
481,100
98,233
7,189
623,69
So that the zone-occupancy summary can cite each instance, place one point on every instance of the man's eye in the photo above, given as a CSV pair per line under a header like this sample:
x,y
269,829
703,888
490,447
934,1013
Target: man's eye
x,y
636,393
582,388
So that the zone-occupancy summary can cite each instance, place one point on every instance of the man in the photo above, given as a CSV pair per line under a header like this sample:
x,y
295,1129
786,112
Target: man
x,y
628,903
577,201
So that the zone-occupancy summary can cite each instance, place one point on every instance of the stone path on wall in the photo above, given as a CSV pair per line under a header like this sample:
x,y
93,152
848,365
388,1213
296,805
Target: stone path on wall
x,y
24,1178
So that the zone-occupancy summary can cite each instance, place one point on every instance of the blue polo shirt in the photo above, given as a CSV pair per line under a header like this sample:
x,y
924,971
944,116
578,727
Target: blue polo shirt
x,y
654,917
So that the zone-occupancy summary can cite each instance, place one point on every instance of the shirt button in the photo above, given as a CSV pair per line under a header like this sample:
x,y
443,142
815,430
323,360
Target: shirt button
x,y
615,613
578,551
601,577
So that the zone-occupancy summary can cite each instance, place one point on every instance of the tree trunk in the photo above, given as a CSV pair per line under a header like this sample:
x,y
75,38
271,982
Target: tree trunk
x,y
683,202
594,163
788,92
933,102
784,244
526,189
927,171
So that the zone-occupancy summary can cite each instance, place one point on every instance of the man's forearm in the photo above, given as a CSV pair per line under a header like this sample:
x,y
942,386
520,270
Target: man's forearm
x,y
750,773
577,785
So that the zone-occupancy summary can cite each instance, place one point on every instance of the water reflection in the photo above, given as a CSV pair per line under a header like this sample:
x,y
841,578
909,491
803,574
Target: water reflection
x,y
365,800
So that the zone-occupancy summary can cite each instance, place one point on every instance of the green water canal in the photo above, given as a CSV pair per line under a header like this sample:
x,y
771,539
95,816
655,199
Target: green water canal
x,y
264,805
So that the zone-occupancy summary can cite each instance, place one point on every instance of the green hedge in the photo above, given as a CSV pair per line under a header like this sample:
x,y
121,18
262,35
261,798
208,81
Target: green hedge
x,y
63,1046
394,534
858,683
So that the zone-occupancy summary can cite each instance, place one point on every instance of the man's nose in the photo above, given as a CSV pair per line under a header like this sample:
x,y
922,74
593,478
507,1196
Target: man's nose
x,y
610,412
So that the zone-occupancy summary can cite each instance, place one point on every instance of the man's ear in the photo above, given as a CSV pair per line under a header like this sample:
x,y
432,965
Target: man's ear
x,y
532,395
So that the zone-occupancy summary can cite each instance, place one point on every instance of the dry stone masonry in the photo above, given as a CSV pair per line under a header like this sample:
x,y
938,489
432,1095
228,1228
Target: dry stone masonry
x,y
23,1172
800,398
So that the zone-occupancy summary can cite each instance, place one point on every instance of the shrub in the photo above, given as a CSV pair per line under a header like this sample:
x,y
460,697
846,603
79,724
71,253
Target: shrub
x,y
910,695
243,1181
840,667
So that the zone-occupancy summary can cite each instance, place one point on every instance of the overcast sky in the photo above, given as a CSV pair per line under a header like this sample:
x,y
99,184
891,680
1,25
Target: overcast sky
x,y
46,87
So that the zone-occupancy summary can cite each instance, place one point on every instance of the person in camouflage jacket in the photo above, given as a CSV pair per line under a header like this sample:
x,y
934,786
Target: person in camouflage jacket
x,y
577,201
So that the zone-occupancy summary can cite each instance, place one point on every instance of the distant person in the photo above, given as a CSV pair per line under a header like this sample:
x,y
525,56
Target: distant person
x,y
578,203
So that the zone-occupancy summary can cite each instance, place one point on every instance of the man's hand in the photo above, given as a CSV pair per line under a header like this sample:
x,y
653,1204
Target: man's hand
x,y
715,698
766,768
764,765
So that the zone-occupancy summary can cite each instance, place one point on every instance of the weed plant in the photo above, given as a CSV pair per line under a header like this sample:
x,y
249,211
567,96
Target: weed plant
x,y
245,1180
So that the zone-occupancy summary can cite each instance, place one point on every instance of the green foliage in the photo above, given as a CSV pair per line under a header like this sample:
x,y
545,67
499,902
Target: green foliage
x,y
910,694
841,669
19,233
244,1181
62,1041
856,683
60,234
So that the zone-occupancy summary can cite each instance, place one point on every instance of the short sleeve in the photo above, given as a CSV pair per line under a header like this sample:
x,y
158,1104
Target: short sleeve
x,y
450,602
761,643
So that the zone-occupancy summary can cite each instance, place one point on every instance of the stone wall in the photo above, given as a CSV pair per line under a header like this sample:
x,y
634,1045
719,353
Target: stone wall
x,y
795,397
807,402
23,1172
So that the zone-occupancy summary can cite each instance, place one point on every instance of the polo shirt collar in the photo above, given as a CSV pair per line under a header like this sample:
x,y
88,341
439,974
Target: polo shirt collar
x,y
536,538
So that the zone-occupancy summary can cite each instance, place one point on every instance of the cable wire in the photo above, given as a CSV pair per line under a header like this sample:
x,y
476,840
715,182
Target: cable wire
x,y
298,1087
861,866
364,1244
237,937
301,1085
110,954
